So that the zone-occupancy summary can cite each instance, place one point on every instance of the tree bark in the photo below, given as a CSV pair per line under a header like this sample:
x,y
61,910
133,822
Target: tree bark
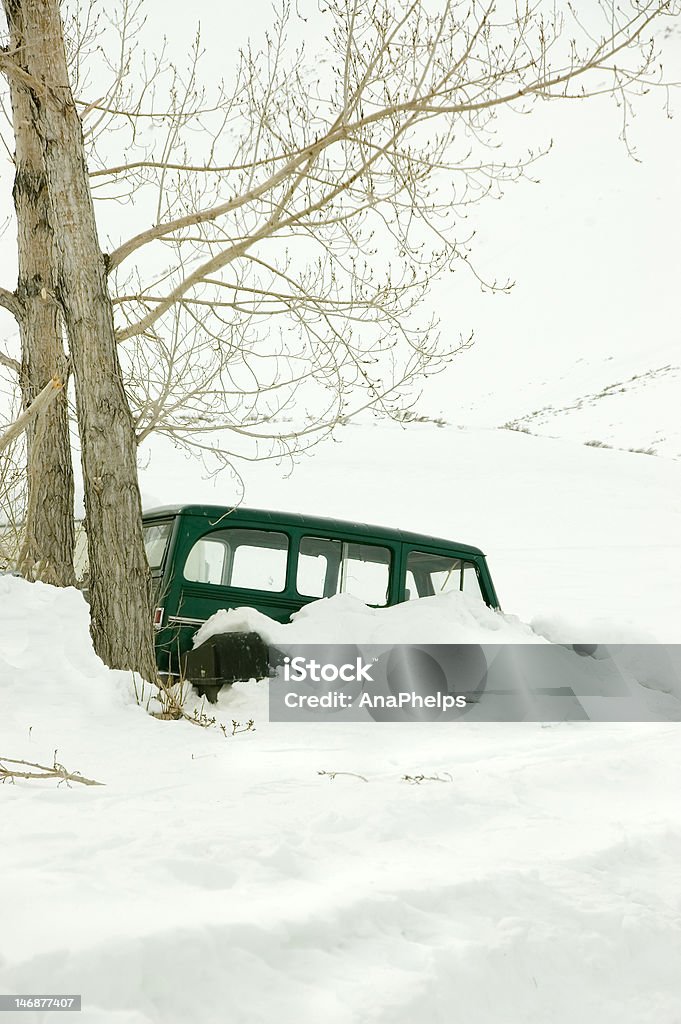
x,y
48,546
120,581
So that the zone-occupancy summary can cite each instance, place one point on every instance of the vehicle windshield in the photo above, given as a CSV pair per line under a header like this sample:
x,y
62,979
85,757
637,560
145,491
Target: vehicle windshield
x,y
156,537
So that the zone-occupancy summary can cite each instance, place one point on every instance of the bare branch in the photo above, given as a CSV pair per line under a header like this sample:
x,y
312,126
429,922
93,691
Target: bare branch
x,y
11,364
57,771
39,403
11,302
300,217
11,69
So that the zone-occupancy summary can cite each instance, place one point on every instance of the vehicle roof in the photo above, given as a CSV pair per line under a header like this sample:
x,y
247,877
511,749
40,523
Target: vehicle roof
x,y
297,519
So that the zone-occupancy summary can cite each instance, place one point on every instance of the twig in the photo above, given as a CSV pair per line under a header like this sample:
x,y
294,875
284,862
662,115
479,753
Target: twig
x,y
173,710
332,775
416,780
239,727
57,771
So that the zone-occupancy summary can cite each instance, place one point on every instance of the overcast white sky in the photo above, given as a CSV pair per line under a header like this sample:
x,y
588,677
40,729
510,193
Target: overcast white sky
x,y
593,248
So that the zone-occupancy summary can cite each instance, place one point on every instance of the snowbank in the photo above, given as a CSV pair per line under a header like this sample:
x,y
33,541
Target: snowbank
x,y
447,618
45,649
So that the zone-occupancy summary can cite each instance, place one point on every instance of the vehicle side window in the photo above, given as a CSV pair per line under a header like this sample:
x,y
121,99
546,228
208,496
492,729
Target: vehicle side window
x,y
428,575
250,559
156,537
327,567
318,564
206,561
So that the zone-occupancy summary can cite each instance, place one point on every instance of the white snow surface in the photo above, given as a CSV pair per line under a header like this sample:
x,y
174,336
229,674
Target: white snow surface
x,y
447,618
533,876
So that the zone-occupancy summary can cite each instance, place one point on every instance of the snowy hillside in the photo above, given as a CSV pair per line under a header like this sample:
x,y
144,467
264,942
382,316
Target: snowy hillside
x,y
629,404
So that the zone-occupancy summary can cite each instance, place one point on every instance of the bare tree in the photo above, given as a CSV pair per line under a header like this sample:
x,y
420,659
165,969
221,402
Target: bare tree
x,y
48,545
299,218
323,194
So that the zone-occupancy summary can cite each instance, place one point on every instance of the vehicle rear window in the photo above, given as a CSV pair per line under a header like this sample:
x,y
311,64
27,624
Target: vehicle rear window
x,y
429,574
156,537
248,559
327,566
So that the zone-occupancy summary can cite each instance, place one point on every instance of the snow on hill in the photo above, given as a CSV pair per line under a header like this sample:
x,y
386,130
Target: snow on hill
x,y
606,403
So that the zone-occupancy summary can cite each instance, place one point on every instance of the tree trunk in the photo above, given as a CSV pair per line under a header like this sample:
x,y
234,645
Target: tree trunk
x,y
47,550
120,581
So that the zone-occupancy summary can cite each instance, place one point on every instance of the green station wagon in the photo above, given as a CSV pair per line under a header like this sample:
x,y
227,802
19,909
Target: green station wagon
x,y
205,558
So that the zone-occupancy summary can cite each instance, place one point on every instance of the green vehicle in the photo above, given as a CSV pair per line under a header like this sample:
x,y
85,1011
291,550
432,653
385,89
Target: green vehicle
x,y
205,558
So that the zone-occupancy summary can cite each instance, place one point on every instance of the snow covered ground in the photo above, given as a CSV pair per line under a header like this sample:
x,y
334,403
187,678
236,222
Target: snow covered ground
x,y
527,874
532,874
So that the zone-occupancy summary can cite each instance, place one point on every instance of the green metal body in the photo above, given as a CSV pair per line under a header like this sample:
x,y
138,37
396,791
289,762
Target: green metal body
x,y
183,605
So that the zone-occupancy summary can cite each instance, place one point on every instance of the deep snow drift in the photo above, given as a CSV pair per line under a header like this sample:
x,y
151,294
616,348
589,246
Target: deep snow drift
x,y
532,874
445,618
